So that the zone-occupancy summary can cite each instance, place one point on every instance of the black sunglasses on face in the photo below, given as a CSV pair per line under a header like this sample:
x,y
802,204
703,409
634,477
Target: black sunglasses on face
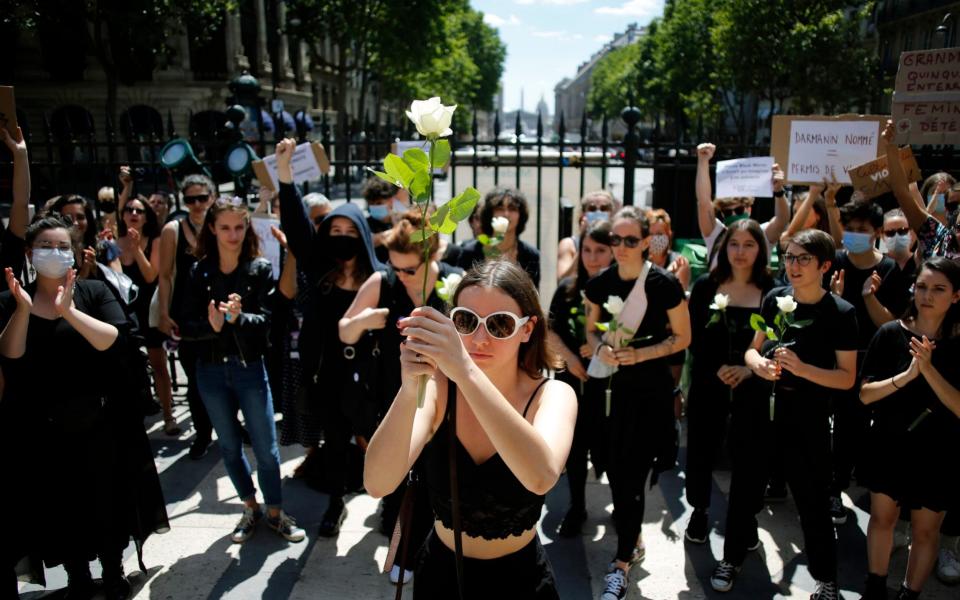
x,y
893,232
737,210
134,211
195,199
630,241
597,208
411,271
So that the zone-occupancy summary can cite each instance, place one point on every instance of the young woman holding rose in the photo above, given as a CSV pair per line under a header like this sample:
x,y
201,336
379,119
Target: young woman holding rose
x,y
640,428
820,359
568,337
509,426
721,304
384,299
911,382
336,259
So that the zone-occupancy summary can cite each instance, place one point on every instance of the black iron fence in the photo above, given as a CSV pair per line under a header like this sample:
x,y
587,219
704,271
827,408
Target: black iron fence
x,y
69,155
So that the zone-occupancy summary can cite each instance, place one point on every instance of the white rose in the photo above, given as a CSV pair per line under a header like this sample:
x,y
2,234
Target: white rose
x,y
613,305
431,117
786,304
449,285
720,302
499,225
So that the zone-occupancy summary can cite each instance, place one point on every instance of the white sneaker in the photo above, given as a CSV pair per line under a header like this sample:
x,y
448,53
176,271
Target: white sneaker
x,y
948,567
395,575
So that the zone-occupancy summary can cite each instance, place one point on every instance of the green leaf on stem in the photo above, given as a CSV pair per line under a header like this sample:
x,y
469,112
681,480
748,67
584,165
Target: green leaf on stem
x,y
801,324
757,323
437,218
441,154
416,159
462,206
772,335
420,187
778,321
420,235
398,169
386,177
714,319
483,239
602,326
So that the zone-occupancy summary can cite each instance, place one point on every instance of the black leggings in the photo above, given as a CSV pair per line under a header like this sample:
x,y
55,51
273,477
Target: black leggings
x,y
708,407
802,429
587,437
524,575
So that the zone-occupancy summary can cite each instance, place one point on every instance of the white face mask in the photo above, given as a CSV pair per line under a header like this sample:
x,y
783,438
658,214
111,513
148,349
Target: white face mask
x,y
52,262
659,243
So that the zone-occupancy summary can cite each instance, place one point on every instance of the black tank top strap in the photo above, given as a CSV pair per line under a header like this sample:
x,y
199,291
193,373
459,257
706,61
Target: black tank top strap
x,y
534,395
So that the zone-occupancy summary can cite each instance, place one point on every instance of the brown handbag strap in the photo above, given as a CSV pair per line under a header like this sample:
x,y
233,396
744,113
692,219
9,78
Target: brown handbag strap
x,y
454,488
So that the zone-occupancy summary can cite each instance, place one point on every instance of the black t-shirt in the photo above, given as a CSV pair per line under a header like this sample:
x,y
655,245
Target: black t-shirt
x,y
567,316
890,294
663,291
889,355
833,328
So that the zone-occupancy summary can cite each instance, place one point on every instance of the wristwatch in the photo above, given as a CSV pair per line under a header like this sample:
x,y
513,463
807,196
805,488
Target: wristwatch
x,y
779,194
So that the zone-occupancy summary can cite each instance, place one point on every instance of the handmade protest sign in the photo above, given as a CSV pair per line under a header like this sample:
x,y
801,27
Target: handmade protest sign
x,y
926,99
8,110
811,149
309,162
269,246
871,179
745,177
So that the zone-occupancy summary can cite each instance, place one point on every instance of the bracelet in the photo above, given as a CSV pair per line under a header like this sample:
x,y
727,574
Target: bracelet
x,y
779,194
893,382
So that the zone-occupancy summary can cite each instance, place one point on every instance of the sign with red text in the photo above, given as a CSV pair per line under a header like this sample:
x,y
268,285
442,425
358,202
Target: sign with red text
x,y
926,100
814,149
872,178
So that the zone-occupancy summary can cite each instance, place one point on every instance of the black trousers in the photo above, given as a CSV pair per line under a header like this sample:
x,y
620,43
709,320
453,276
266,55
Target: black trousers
x,y
802,427
201,421
708,407
851,420
587,437
337,432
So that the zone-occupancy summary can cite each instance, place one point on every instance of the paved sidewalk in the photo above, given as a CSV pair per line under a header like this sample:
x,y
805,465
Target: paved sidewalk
x,y
196,561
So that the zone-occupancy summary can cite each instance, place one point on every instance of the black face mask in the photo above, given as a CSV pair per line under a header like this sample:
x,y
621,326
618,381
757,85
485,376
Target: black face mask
x,y
108,207
344,247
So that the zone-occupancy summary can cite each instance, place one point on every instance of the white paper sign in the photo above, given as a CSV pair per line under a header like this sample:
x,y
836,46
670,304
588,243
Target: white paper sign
x,y
745,177
269,245
303,163
821,148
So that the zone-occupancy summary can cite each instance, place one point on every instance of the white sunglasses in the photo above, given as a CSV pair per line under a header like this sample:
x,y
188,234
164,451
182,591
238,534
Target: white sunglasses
x,y
501,325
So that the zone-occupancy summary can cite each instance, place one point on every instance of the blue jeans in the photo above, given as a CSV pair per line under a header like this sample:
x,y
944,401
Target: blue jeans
x,y
225,388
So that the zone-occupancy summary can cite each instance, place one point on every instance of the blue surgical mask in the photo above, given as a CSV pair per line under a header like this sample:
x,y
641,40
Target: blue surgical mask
x,y
596,216
380,212
857,243
899,245
941,205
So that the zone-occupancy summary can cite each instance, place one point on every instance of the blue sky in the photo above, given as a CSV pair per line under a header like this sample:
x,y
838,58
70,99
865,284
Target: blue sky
x,y
547,39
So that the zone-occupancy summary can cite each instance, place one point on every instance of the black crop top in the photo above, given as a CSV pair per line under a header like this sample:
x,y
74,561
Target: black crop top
x,y
493,502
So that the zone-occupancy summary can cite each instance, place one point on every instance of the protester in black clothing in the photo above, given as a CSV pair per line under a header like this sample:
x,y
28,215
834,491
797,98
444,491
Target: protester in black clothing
x,y
640,429
868,280
336,259
911,383
595,206
568,338
178,241
491,412
794,416
721,303
76,436
512,205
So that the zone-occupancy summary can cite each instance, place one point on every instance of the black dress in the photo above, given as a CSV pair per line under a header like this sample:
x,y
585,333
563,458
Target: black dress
x,y
903,464
141,305
471,253
73,436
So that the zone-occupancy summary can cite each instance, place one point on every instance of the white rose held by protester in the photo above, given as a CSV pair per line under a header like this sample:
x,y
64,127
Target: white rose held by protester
x,y
431,117
786,304
720,302
499,225
447,286
613,305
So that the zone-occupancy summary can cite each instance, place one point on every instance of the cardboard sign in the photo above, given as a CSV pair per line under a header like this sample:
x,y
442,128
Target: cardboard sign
x,y
8,110
269,246
309,162
400,147
811,149
926,100
745,177
872,178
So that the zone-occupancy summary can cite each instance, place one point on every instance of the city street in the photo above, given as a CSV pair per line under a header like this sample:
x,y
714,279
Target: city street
x,y
197,561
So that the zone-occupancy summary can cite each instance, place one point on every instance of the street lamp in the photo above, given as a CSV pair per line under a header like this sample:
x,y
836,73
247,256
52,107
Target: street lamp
x,y
943,29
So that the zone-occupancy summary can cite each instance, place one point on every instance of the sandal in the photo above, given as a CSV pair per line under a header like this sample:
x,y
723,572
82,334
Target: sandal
x,y
170,426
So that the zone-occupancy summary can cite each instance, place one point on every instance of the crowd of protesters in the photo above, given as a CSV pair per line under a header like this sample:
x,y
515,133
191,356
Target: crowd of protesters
x,y
818,349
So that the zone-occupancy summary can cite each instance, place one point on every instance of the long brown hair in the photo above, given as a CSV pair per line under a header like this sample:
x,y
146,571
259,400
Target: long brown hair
x,y
207,241
504,275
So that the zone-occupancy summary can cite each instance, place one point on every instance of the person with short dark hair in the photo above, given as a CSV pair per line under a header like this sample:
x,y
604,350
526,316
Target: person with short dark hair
x,y
912,385
382,197
817,358
506,426
512,205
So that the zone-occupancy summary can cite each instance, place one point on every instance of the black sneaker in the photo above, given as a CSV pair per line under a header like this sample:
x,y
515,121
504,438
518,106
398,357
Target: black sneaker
x,y
286,527
572,524
698,529
116,588
826,590
199,447
838,512
723,576
333,519
906,593
246,525
875,588
775,492
615,585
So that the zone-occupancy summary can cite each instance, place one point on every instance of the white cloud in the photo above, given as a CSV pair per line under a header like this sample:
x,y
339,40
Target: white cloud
x,y
633,8
514,20
498,21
